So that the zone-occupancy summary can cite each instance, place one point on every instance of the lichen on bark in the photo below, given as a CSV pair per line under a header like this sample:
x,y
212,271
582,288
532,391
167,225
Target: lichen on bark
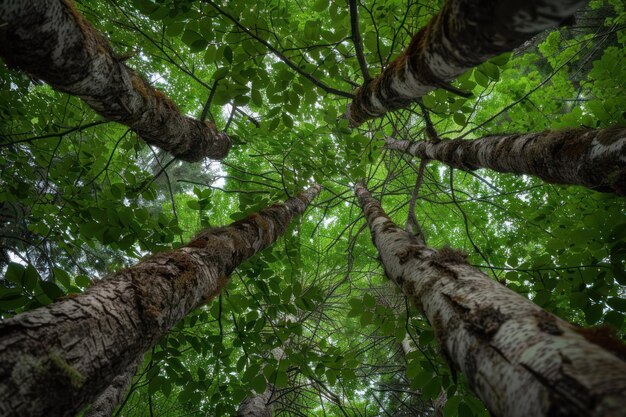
x,y
462,35
507,347
52,41
593,158
77,346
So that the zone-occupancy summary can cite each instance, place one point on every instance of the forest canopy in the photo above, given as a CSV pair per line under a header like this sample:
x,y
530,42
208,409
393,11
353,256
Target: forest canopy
x,y
312,321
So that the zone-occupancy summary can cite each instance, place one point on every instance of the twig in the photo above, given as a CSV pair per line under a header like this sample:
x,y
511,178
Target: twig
x,y
207,105
412,225
356,39
280,55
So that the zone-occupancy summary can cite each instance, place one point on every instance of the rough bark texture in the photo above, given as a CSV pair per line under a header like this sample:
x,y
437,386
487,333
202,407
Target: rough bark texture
x,y
519,359
57,359
257,405
52,41
591,158
464,34
114,394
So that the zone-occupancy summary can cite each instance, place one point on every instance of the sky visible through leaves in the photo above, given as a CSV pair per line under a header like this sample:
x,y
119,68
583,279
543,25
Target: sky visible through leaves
x,y
81,197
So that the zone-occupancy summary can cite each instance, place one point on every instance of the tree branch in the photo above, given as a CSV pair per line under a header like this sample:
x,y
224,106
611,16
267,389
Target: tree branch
x,y
356,39
280,55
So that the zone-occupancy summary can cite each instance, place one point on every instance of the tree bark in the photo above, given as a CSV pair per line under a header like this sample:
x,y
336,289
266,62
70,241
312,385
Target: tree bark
x,y
462,35
52,41
591,158
260,405
256,405
519,359
114,394
55,360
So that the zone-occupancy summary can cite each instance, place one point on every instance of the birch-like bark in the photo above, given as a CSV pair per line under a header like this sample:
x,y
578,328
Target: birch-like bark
x,y
519,359
462,35
56,359
591,158
114,394
52,41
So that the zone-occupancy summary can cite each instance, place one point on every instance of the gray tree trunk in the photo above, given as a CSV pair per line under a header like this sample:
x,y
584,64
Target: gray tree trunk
x,y
464,34
591,158
256,405
519,359
51,40
114,394
56,359
260,405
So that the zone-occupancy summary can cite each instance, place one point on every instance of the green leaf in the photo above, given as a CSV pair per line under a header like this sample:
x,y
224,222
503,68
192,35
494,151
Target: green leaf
x,y
281,379
593,313
174,29
459,119
82,281
51,290
30,278
228,54
617,303
62,277
413,368
331,376
368,301
12,301
258,383
320,5
287,120
14,273
256,97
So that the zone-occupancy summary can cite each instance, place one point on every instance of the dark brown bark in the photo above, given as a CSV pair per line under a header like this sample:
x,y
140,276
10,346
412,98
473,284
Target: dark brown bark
x,y
57,359
519,359
464,34
52,41
591,158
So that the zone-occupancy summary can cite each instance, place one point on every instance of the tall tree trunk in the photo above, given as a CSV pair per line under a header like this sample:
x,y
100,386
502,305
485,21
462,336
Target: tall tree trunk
x,y
465,33
591,158
519,359
56,359
114,394
51,40
256,406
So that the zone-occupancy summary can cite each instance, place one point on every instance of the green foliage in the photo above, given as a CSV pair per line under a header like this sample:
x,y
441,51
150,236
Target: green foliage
x,y
80,198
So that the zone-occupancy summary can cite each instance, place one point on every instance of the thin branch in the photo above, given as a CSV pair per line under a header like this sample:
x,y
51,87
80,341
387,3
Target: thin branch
x,y
412,225
207,105
356,39
57,135
280,55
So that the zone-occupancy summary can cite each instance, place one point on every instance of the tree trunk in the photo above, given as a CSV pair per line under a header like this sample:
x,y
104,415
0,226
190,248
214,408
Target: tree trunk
x,y
114,394
260,405
591,158
519,359
464,34
56,359
257,405
51,40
